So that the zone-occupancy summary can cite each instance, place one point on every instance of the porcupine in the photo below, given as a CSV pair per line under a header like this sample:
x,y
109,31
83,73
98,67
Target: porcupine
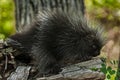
x,y
55,39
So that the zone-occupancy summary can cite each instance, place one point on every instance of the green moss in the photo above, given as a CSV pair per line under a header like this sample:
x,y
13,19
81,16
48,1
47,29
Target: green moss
x,y
7,21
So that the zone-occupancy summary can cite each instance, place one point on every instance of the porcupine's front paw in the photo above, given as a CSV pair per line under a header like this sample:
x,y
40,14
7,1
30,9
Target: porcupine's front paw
x,y
52,69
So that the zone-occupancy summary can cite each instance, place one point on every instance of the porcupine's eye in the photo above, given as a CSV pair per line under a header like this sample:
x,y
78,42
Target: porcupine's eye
x,y
94,47
95,50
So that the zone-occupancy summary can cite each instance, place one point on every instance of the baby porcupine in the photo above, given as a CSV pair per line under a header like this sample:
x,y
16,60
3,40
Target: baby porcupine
x,y
55,39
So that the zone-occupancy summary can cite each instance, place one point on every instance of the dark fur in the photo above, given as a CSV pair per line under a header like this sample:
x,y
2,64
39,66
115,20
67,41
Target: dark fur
x,y
56,39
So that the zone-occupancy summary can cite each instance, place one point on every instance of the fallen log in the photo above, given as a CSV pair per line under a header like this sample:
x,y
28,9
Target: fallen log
x,y
80,71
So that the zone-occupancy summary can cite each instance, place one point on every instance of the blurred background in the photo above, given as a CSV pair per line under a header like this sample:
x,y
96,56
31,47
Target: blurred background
x,y
7,20
106,12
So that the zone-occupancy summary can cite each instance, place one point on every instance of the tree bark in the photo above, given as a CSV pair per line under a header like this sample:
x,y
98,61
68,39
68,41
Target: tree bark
x,y
26,10
80,71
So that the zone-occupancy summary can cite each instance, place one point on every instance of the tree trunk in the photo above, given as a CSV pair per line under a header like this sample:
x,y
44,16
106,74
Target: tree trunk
x,y
27,9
